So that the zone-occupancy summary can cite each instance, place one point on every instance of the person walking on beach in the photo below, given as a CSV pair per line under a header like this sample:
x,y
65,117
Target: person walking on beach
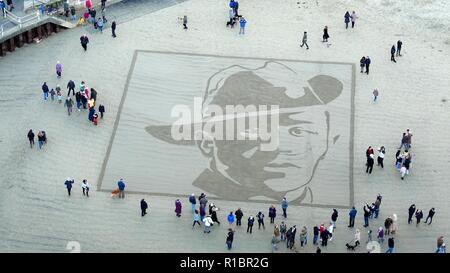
x,y
260,217
325,35
101,109
369,151
192,199
377,205
430,215
52,94
178,207
239,216
196,219
121,185
85,187
393,54
272,214
214,215
411,211
45,90
354,17
362,63
113,29
391,244
68,184
30,136
242,23
100,24
366,215
388,225
71,87
334,217
370,163
84,41
357,237
380,158
144,207
58,69
202,212
440,245
230,238
315,234
78,100
230,218
380,235
236,8
369,236
69,104
324,236
303,236
284,206
399,47
185,22
375,95
305,40
352,215
347,19
419,216
41,139
250,222
283,229
367,63
208,222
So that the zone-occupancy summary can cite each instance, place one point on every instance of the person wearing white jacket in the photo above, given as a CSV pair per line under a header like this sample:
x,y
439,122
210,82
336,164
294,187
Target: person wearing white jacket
x,y
357,237
85,187
354,17
208,223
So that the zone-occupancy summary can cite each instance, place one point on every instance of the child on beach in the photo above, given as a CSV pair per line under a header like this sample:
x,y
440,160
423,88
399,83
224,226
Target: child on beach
x,y
59,96
52,94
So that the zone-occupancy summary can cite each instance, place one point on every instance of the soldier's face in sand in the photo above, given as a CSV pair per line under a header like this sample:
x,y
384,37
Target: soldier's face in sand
x,y
303,138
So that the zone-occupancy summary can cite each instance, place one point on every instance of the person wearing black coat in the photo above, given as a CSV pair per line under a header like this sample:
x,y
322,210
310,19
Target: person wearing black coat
x,y
347,19
367,63
419,216
113,29
362,63
45,90
411,211
30,136
272,214
144,207
101,109
393,53
324,236
93,94
334,217
250,222
84,41
230,238
71,87
325,34
370,162
214,216
390,245
260,218
399,47
236,8
239,216
430,216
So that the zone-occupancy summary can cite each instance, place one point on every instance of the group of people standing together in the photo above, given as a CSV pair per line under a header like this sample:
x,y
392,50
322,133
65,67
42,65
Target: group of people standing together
x,y
234,16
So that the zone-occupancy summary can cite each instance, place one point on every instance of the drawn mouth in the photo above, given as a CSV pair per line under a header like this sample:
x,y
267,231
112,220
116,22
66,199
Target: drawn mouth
x,y
283,165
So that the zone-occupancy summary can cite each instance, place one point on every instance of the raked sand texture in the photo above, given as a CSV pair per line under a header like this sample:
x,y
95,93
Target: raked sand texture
x,y
145,153
37,215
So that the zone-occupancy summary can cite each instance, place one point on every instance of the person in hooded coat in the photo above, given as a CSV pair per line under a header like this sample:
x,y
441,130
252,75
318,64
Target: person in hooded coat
x,y
272,214
58,69
230,218
346,19
144,207
68,184
214,215
411,211
239,216
30,136
230,238
178,207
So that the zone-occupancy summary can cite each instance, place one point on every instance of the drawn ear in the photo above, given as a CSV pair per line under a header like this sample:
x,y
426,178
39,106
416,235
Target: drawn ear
x,y
335,138
206,146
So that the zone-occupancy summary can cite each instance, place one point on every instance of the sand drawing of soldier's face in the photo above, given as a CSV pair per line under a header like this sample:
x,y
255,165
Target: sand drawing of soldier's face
x,y
240,169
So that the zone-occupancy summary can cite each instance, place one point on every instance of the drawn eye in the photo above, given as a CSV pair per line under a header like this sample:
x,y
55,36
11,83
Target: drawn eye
x,y
296,131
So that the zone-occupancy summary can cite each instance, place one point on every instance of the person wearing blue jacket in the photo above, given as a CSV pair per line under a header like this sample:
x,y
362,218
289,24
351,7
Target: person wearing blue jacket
x,y
68,184
347,19
352,215
230,218
121,186
284,206
242,23
193,202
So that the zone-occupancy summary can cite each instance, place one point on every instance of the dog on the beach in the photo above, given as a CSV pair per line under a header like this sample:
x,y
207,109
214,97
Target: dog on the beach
x,y
350,247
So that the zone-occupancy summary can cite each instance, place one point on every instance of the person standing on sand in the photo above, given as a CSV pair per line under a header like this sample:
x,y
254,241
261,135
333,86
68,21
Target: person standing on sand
x,y
367,63
260,218
354,17
144,207
101,109
380,158
325,35
121,186
196,219
192,199
230,218
272,214
113,29
399,47
178,207
85,187
68,184
250,222
375,95
71,87
242,23
185,22
30,136
283,229
58,69
84,41
214,215
230,238
334,217
370,163
45,90
352,215
239,216
69,104
202,212
284,206
430,215
411,211
41,139
392,54
347,19
362,63
419,216
208,222
100,24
